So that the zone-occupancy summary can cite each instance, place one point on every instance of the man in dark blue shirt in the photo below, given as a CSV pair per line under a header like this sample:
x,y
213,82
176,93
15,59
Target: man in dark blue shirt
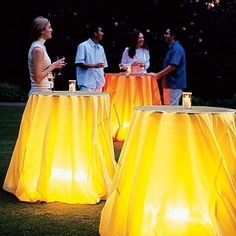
x,y
173,74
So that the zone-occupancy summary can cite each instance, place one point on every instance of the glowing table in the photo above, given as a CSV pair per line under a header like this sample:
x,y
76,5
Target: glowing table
x,y
64,151
128,92
176,175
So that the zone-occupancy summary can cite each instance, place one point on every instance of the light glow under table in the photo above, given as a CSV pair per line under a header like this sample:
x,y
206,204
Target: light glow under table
x,y
176,175
64,150
128,91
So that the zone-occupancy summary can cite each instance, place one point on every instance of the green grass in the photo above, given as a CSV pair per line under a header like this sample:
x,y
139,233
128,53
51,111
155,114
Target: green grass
x,y
21,218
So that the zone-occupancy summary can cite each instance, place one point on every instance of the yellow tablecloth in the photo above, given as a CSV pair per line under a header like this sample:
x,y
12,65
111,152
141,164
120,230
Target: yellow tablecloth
x,y
176,175
64,151
128,92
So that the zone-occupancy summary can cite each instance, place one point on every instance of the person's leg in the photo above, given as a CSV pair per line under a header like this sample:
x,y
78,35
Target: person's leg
x,y
172,96
84,88
175,95
166,96
99,86
98,89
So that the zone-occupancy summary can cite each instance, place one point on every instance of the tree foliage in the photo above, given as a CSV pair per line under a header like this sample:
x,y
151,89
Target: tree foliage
x,y
208,35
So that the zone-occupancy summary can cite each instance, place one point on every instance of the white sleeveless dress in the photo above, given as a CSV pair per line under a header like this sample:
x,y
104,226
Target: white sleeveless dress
x,y
43,85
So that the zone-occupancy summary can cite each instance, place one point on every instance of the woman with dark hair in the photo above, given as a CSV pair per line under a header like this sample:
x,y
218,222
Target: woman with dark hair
x,y
39,63
136,55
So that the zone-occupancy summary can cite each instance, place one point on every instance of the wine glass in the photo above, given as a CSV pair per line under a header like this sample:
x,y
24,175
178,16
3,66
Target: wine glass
x,y
59,70
51,77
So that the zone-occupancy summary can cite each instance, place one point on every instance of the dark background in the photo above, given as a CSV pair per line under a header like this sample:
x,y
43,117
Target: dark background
x,y
208,37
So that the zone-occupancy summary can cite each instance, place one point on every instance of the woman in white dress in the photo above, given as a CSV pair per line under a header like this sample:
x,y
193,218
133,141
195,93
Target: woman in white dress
x,y
136,56
39,63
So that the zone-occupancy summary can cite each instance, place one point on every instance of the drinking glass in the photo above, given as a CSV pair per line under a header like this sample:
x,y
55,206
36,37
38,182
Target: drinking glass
x,y
59,70
51,77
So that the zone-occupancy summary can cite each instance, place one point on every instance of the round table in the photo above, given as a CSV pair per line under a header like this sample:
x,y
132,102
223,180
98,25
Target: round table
x,y
64,150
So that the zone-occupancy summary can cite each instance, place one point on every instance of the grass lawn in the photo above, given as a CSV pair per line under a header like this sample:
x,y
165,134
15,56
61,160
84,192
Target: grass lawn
x,y
21,218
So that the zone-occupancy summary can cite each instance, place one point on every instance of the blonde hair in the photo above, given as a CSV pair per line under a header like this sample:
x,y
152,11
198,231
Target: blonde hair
x,y
38,25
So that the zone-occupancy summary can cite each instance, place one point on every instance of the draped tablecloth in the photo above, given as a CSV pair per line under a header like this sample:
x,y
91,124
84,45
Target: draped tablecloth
x,y
128,91
64,150
176,175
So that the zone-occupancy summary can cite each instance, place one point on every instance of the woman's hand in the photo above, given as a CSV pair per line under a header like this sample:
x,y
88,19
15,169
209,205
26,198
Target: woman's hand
x,y
59,63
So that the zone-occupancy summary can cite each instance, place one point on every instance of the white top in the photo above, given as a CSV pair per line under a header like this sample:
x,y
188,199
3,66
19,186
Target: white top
x,y
43,85
141,55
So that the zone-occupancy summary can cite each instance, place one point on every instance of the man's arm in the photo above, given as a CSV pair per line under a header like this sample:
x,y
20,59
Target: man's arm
x,y
165,71
87,65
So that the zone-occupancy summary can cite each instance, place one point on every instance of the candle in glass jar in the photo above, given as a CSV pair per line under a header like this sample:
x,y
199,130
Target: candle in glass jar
x,y
186,100
129,69
72,85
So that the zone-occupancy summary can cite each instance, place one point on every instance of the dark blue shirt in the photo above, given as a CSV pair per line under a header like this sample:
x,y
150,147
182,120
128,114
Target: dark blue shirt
x,y
176,56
